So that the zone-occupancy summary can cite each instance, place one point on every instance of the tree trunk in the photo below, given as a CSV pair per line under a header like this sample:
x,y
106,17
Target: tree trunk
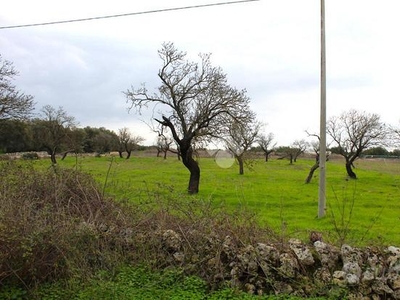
x,y
129,154
65,154
312,170
120,154
53,157
240,161
349,169
194,169
52,153
165,154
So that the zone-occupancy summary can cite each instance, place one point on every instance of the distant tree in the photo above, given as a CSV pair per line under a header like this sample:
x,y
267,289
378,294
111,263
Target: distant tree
x,y
128,141
195,104
100,140
265,143
293,151
299,147
395,135
164,145
15,136
315,145
335,150
353,132
239,140
51,131
13,103
105,141
395,152
376,151
74,141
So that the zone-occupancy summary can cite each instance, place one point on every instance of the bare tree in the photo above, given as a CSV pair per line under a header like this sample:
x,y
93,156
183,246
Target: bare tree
x,y
240,139
265,143
13,103
196,103
353,132
128,141
52,130
299,147
164,145
315,145
394,135
293,151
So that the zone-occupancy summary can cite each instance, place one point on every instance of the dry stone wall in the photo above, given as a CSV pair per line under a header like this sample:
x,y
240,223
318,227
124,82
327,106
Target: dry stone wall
x,y
296,268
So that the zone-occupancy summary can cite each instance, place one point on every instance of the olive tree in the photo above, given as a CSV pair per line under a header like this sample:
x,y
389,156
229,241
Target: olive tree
x,y
194,101
13,103
353,132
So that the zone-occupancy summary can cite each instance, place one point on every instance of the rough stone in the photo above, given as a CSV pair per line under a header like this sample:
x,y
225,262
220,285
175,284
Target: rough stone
x,y
352,268
322,276
288,265
171,241
339,278
328,255
352,279
381,288
394,281
350,254
267,253
368,276
302,252
394,259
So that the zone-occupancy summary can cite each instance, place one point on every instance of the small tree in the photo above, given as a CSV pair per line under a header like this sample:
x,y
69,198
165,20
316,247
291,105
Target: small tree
x,y
353,132
265,143
164,145
240,139
74,141
13,103
299,147
52,130
128,141
315,145
195,103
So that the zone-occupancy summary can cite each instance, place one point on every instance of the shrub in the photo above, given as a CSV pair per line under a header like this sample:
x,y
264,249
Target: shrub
x,y
30,156
56,224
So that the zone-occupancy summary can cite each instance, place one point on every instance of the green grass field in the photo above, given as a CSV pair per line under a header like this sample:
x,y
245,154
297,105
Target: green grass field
x,y
361,212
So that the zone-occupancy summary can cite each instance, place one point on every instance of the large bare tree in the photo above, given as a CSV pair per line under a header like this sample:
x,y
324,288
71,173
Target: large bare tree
x,y
195,103
354,131
13,103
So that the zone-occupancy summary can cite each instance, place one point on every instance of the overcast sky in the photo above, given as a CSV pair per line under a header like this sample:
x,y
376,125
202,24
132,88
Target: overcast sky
x,y
269,47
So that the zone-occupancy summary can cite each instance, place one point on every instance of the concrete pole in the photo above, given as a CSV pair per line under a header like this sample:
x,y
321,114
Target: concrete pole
x,y
322,149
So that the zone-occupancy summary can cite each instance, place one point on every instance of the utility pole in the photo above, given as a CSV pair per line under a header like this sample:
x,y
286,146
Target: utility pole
x,y
322,149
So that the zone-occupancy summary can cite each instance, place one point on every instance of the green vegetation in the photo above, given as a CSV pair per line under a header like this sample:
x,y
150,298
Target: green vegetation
x,y
63,237
275,190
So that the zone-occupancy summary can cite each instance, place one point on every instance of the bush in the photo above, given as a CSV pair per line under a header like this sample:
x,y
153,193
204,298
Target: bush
x,y
30,156
56,224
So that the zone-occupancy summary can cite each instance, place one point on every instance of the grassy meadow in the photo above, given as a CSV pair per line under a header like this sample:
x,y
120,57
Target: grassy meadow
x,y
361,212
